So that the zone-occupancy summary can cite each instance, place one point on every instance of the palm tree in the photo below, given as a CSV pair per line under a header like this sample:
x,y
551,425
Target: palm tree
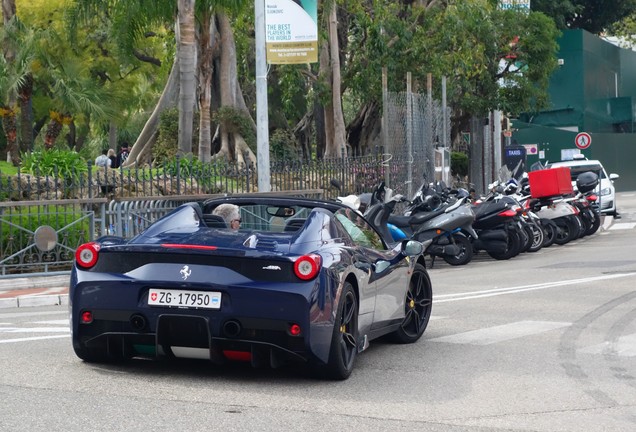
x,y
15,69
74,93
133,17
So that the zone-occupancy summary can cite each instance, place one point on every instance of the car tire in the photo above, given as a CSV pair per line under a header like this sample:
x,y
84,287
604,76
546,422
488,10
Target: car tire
x,y
344,340
93,355
417,306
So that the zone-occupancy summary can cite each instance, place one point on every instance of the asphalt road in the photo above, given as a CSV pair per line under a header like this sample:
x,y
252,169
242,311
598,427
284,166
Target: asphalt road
x,y
543,342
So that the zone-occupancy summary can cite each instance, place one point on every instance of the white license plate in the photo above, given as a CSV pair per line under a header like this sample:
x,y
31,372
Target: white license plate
x,y
185,299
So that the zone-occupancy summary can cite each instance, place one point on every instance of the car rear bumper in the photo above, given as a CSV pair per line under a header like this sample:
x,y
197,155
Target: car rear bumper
x,y
252,324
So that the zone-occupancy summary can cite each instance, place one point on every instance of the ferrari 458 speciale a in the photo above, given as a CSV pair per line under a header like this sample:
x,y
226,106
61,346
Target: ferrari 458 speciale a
x,y
301,280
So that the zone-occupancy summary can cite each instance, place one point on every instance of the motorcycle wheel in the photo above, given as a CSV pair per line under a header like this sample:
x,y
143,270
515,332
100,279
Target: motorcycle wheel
x,y
596,224
580,226
466,251
514,246
528,236
567,230
584,225
538,237
550,229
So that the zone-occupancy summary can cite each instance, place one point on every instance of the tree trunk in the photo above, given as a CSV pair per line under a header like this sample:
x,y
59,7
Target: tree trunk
x,y
8,10
9,119
53,131
148,135
227,77
364,131
302,132
327,111
25,94
339,134
11,132
187,65
112,136
206,68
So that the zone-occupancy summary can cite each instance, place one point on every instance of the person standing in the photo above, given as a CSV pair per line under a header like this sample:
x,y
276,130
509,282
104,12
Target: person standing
x,y
123,154
114,160
103,160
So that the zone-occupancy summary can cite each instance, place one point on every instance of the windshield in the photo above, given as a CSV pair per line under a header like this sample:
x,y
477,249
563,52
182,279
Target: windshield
x,y
597,169
576,170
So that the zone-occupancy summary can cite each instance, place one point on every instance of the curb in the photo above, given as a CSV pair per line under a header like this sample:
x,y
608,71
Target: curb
x,y
36,300
606,222
16,283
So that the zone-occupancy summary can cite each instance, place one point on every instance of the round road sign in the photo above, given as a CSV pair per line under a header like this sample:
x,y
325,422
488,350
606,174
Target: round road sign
x,y
583,140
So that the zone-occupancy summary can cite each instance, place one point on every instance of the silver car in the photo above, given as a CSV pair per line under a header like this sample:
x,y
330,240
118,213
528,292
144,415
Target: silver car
x,y
605,189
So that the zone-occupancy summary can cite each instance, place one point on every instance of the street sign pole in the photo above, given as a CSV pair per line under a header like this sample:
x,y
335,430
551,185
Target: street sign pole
x,y
262,129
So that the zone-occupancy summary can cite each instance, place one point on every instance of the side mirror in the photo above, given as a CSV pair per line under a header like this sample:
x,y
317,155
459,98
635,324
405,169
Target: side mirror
x,y
412,247
613,176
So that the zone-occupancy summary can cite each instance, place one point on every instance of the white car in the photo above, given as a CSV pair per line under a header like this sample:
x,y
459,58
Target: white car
x,y
605,189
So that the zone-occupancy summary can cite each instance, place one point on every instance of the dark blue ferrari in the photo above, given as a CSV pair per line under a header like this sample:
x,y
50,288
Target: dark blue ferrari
x,y
295,280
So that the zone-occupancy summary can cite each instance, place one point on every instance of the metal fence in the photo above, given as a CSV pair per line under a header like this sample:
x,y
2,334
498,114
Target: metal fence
x,y
41,237
43,218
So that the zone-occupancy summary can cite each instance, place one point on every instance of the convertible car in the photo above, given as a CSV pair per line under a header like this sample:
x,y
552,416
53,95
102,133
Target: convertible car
x,y
301,280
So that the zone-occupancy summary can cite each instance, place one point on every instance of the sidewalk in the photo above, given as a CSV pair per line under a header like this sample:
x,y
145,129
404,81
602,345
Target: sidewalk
x,y
34,291
53,290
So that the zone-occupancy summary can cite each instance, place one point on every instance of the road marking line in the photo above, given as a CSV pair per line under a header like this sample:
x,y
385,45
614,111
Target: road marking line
x,y
54,322
622,226
443,298
491,335
36,330
34,338
625,346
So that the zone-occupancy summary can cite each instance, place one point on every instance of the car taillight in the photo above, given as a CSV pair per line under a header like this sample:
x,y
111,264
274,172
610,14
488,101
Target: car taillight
x,y
86,317
307,266
86,255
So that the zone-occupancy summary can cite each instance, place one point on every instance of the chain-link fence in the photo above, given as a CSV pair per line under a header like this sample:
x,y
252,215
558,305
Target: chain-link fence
x,y
418,131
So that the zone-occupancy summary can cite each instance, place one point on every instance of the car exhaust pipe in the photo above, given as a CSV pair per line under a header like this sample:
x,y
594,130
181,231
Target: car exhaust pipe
x,y
138,322
232,328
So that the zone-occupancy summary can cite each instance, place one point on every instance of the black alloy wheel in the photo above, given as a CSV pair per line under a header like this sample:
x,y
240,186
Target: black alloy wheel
x,y
344,347
417,307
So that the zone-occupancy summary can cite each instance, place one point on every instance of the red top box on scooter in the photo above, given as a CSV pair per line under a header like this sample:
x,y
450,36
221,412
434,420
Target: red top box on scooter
x,y
550,182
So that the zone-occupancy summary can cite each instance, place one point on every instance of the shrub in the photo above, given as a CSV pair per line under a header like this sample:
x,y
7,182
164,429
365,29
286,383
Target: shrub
x,y
65,164
459,164
282,145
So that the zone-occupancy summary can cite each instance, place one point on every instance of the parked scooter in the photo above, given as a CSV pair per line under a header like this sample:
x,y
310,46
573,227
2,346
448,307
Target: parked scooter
x,y
496,223
446,228
448,225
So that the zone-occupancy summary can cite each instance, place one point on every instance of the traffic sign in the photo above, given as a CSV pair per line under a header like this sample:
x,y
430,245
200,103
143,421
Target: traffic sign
x,y
583,140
